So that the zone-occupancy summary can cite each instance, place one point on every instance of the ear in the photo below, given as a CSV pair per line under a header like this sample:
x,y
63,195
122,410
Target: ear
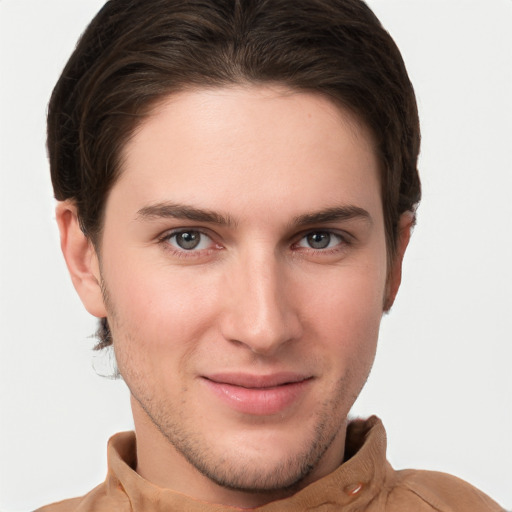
x,y
81,259
405,225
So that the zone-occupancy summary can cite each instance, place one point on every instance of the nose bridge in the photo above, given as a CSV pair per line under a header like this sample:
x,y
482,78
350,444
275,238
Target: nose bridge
x,y
261,313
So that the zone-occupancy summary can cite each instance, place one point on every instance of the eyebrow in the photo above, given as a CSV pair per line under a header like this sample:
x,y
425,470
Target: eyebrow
x,y
181,211
334,214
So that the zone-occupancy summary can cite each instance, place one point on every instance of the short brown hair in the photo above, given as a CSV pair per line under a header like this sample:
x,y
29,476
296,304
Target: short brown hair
x,y
135,52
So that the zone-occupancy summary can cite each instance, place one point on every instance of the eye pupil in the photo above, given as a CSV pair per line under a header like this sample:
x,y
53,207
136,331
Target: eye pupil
x,y
319,240
188,239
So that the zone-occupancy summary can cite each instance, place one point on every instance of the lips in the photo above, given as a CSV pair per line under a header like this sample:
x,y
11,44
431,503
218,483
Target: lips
x,y
258,394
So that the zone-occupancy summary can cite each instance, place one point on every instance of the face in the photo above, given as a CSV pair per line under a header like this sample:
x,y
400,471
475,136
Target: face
x,y
243,267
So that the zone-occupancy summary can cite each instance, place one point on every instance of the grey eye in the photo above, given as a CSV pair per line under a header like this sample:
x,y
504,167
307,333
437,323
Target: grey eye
x,y
187,240
319,240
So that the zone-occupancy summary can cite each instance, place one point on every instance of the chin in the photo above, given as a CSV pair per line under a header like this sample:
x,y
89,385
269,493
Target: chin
x,y
264,460
258,475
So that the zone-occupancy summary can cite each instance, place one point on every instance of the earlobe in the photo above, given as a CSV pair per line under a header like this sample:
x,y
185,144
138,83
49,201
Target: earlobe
x,y
81,259
405,226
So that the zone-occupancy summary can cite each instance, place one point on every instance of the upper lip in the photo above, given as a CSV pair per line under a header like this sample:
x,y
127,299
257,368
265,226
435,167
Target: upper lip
x,y
248,380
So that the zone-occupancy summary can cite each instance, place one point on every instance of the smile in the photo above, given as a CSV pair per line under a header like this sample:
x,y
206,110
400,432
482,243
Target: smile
x,y
258,394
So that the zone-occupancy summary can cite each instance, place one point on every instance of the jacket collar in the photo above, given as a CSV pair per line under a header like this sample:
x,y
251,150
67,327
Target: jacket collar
x,y
354,484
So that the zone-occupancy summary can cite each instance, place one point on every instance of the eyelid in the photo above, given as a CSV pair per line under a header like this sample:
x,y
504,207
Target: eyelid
x,y
345,235
168,233
164,238
345,240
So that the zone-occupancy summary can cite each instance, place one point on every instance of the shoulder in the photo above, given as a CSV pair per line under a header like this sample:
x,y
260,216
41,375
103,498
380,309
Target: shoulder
x,y
437,491
62,506
104,498
109,495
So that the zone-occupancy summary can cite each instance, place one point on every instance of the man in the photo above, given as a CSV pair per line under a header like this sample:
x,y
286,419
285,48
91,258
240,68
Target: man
x,y
237,185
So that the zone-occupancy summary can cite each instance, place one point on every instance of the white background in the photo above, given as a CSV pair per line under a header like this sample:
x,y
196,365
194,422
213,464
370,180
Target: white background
x,y
442,381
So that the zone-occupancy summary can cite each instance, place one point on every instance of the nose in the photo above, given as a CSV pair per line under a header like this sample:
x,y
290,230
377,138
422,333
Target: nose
x,y
260,310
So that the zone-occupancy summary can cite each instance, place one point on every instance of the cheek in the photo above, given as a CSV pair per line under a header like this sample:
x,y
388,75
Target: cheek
x,y
348,313
160,311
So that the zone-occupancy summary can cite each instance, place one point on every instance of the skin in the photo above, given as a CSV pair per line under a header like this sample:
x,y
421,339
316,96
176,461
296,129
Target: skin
x,y
260,295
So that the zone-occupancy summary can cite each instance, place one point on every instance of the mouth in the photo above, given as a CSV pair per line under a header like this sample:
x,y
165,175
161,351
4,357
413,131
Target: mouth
x,y
258,394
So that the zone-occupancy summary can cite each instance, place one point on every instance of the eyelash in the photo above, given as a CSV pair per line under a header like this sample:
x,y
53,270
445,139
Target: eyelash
x,y
345,240
164,240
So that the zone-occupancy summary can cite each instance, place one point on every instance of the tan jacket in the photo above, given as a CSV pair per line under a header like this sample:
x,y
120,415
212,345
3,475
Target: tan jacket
x,y
365,482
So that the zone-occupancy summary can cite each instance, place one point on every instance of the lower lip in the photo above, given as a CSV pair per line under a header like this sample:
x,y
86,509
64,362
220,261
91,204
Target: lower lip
x,y
259,401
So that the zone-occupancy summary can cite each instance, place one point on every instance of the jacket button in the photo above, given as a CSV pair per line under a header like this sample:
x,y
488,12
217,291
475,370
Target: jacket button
x,y
353,489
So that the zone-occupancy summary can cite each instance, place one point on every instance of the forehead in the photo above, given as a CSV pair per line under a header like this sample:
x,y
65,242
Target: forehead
x,y
249,149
